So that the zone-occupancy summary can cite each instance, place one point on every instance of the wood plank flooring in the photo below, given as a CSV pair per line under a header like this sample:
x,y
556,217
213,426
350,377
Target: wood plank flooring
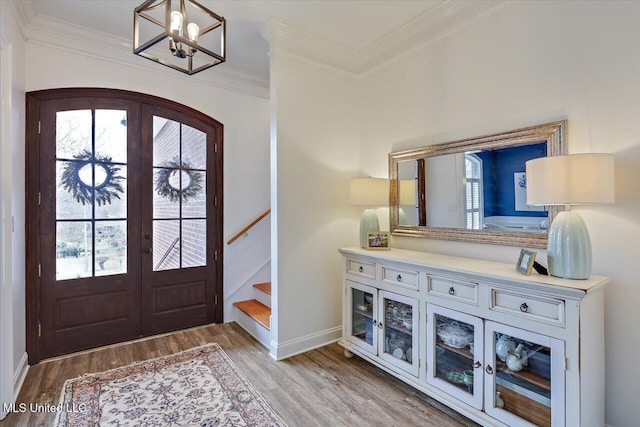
x,y
318,388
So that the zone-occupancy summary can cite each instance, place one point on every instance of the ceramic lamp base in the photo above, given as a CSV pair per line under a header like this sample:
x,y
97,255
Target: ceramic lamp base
x,y
368,222
569,247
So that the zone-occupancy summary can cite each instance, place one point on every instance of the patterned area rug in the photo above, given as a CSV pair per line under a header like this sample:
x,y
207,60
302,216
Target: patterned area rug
x,y
197,387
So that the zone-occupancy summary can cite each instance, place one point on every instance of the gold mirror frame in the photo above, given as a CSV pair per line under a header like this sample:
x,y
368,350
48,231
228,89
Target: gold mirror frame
x,y
554,134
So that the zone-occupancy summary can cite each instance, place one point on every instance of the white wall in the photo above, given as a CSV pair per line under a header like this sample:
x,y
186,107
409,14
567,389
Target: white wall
x,y
12,303
315,153
531,63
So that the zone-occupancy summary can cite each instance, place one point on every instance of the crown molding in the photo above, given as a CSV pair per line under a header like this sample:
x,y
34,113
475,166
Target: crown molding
x,y
435,23
310,47
54,33
23,12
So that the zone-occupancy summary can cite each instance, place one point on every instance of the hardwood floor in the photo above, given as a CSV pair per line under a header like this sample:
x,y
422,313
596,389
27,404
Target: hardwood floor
x,y
318,388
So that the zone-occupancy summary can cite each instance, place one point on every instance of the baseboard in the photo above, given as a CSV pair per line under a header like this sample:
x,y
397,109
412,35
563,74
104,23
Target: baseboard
x,y
20,375
281,351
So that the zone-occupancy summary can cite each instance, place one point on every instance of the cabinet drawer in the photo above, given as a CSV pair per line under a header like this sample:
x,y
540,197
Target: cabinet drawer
x,y
360,268
453,289
536,308
397,276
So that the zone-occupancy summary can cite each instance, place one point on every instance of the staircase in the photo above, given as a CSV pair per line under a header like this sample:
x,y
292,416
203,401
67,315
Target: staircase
x,y
254,315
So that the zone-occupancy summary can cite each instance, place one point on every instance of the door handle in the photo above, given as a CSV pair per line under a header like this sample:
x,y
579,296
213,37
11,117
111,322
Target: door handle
x,y
146,250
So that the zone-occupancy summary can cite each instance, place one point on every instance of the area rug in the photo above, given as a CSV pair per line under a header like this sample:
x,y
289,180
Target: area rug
x,y
197,387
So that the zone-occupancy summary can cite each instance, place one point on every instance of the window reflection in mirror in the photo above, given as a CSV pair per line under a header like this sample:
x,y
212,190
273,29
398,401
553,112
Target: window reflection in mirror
x,y
476,190
473,189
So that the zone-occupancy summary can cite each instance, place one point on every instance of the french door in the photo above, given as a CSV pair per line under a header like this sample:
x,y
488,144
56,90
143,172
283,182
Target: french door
x,y
124,238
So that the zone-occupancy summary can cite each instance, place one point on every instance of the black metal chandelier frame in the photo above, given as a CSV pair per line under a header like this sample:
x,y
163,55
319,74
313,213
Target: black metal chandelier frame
x,y
175,38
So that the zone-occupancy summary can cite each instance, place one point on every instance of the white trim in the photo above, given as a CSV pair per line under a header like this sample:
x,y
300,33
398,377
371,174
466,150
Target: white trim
x,y
19,375
433,24
280,351
6,294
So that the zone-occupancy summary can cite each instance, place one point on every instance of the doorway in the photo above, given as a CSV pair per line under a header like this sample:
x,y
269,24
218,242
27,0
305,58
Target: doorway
x,y
124,218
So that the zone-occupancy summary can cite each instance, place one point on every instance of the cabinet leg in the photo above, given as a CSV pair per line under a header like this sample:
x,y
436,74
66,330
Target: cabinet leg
x,y
348,354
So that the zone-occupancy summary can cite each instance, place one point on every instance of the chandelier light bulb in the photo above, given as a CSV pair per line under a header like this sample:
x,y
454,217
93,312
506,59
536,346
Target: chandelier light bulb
x,y
194,31
176,21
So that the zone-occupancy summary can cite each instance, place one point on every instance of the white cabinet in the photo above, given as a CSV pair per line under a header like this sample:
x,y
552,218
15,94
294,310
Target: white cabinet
x,y
455,362
446,325
384,324
530,382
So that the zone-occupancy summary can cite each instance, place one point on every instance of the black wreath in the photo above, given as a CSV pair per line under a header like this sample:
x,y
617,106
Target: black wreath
x,y
164,189
82,192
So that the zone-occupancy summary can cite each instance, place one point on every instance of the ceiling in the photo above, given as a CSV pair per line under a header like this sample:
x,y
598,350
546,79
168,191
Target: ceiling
x,y
354,24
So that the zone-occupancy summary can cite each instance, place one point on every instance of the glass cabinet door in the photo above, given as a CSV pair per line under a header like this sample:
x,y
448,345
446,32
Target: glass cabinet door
x,y
455,354
525,378
398,321
362,302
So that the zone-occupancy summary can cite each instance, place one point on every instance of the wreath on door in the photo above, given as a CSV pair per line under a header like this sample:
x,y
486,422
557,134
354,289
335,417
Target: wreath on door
x,y
78,179
177,181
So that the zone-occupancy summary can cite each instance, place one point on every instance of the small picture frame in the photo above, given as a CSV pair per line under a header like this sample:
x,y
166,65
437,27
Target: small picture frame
x,y
525,261
378,240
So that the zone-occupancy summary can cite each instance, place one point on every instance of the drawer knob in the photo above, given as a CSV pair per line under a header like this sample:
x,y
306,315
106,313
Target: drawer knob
x,y
375,322
360,269
399,278
380,325
452,291
477,365
489,370
524,307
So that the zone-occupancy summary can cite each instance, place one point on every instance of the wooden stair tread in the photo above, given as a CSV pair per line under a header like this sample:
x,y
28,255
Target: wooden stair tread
x,y
264,287
256,310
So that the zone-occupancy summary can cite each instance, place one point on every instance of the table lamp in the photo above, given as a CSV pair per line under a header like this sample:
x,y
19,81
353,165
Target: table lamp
x,y
577,179
369,192
407,197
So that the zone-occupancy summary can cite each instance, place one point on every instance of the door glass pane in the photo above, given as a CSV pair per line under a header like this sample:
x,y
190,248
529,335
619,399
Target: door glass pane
x,y
194,243
91,183
166,199
180,194
166,141
398,335
111,135
194,147
111,247
454,352
73,250
166,245
195,206
71,203
362,315
111,191
523,379
73,133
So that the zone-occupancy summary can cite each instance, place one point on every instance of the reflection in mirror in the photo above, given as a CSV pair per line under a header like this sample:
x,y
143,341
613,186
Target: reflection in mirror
x,y
473,189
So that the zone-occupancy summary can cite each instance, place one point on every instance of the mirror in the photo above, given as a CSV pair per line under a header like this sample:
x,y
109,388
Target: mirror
x,y
474,189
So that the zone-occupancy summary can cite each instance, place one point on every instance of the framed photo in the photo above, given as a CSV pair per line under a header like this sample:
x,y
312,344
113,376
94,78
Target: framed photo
x,y
378,240
525,261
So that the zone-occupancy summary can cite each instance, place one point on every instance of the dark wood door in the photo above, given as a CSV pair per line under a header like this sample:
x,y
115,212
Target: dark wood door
x,y
178,263
89,223
124,219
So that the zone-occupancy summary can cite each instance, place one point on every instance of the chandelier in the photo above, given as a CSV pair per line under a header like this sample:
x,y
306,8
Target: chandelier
x,y
196,36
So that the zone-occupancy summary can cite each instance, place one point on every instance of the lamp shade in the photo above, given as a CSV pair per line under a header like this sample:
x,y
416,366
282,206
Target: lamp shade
x,y
407,194
369,192
577,179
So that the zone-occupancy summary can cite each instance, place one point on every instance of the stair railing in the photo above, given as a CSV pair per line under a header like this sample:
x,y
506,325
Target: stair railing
x,y
244,231
166,254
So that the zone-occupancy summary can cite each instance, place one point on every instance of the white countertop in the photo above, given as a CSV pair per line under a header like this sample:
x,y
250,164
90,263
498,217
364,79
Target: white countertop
x,y
490,269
